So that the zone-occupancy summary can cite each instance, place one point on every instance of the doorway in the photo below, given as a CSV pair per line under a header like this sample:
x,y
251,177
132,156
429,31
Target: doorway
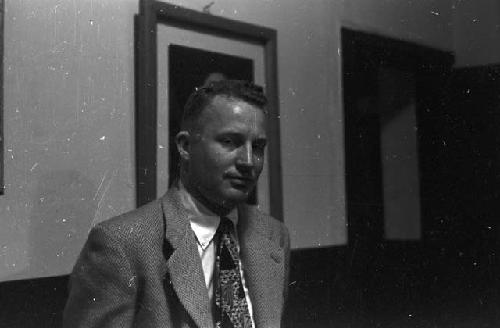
x,y
387,83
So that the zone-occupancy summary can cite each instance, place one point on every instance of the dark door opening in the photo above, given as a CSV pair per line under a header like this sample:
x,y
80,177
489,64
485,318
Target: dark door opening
x,y
387,83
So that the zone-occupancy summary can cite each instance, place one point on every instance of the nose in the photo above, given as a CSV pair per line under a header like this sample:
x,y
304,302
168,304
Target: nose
x,y
245,157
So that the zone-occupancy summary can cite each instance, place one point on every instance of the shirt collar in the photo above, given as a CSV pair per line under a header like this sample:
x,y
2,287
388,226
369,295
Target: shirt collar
x,y
204,222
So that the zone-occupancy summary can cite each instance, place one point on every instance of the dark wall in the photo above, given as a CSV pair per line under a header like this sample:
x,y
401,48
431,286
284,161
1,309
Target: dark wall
x,y
33,302
459,150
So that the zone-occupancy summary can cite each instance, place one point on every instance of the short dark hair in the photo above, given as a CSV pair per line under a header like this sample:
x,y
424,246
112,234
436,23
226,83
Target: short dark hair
x,y
237,89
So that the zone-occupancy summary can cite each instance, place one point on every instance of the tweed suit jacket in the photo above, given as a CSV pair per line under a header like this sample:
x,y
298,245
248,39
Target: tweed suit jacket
x,y
143,269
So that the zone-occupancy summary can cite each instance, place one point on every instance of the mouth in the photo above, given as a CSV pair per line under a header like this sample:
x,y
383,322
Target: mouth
x,y
241,181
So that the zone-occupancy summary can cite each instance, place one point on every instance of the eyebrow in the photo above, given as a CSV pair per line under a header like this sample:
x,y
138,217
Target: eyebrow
x,y
231,131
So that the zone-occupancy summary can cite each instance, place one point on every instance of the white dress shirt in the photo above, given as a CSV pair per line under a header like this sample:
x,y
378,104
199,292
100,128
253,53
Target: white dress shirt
x,y
204,224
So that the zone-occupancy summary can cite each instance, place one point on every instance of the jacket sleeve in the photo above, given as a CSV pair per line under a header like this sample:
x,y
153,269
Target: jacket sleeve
x,y
102,285
287,263
286,287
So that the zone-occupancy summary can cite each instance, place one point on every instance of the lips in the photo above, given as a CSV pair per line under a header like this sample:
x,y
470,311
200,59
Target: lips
x,y
240,180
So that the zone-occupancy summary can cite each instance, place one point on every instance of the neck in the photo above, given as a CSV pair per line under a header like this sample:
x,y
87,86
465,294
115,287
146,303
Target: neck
x,y
218,208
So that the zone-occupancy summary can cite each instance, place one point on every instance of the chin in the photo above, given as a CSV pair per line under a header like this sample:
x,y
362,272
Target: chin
x,y
236,196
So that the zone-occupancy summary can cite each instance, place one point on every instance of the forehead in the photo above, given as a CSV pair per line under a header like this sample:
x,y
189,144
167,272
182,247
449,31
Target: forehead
x,y
226,111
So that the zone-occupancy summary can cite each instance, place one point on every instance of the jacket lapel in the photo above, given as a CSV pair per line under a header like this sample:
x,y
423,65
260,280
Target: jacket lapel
x,y
262,258
184,265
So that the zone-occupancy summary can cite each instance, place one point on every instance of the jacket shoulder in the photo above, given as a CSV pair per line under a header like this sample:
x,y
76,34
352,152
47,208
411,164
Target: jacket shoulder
x,y
136,227
274,228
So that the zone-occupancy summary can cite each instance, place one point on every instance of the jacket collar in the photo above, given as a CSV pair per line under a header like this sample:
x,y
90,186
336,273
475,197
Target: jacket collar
x,y
184,264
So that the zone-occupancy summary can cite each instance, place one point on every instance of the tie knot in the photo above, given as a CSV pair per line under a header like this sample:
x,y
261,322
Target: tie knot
x,y
225,226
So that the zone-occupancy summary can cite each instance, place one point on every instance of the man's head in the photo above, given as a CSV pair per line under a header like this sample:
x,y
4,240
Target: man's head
x,y
222,142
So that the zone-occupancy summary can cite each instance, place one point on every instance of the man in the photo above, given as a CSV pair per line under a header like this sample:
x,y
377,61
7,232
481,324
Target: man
x,y
179,261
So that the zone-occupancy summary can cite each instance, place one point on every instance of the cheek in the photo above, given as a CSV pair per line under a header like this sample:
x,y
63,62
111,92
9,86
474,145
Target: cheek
x,y
217,160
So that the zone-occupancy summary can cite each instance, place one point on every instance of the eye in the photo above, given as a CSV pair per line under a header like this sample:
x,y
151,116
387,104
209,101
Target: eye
x,y
227,141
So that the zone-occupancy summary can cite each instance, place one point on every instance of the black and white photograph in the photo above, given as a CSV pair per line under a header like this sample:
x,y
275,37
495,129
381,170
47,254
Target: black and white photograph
x,y
249,163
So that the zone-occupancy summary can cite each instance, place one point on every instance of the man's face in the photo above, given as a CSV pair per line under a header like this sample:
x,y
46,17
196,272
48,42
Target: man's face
x,y
226,152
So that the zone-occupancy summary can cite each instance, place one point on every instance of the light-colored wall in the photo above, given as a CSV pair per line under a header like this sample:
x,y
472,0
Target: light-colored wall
x,y
68,110
427,22
69,107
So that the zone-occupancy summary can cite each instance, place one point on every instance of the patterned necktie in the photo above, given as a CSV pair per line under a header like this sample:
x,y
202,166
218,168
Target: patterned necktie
x,y
230,302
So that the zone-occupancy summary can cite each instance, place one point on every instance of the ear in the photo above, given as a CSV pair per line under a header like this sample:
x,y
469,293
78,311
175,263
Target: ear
x,y
183,144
